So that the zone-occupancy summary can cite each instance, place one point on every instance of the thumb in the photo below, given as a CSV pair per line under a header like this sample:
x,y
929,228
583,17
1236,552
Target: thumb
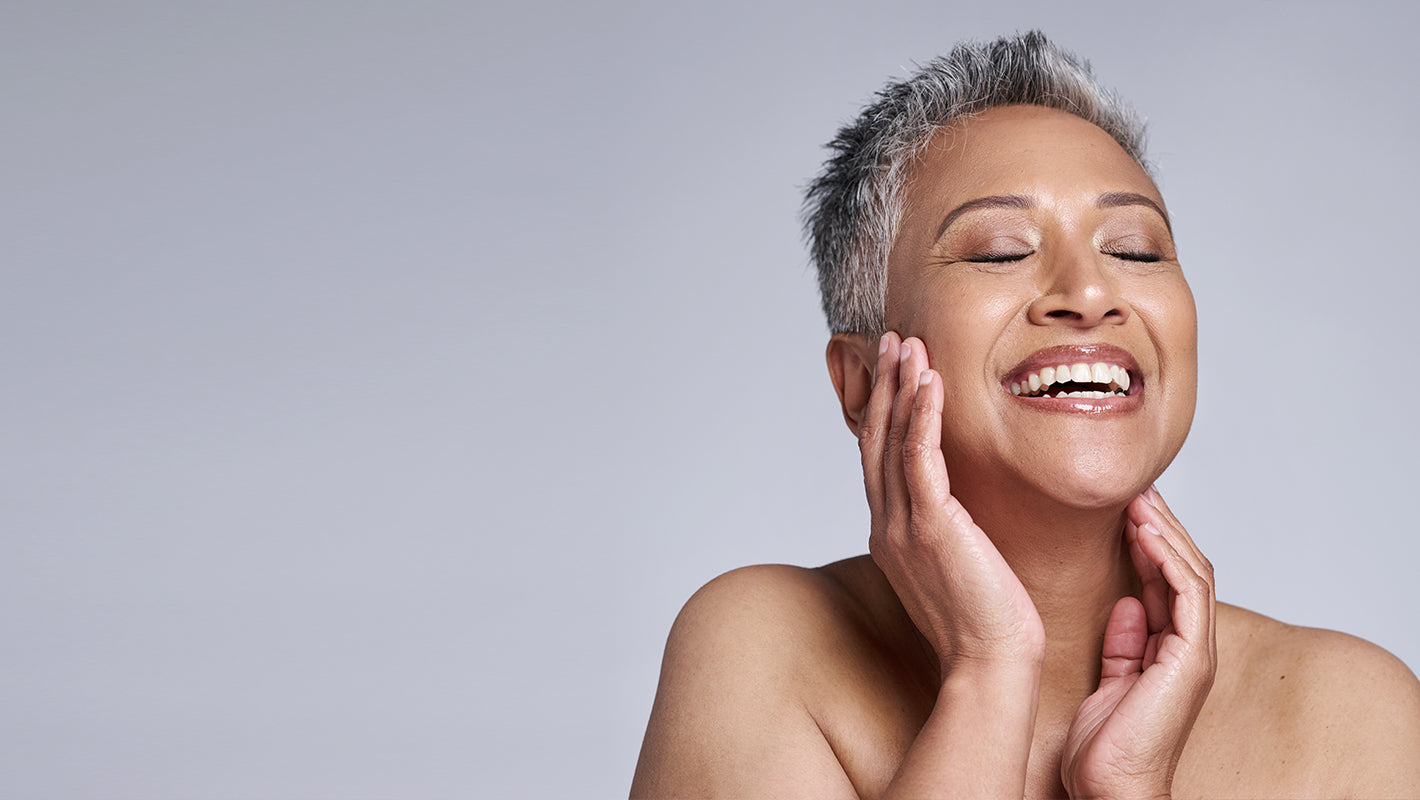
x,y
1125,637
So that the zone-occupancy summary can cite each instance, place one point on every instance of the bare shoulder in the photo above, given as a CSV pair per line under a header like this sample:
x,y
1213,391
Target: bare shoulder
x,y
771,621
733,714
1346,710
1328,674
758,606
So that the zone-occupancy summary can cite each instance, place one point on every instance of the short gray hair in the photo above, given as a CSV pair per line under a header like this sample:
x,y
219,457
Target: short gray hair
x,y
853,208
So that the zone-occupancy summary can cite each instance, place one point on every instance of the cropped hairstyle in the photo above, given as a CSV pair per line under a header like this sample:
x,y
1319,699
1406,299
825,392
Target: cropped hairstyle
x,y
852,209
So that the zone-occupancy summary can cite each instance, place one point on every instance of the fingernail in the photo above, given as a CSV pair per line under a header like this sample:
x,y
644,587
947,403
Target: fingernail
x,y
883,344
904,351
925,378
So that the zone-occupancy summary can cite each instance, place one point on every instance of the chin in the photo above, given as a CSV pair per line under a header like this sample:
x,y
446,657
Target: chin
x,y
1088,485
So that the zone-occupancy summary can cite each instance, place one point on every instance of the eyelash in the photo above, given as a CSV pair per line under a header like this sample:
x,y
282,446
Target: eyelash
x,y
998,258
1147,258
1004,258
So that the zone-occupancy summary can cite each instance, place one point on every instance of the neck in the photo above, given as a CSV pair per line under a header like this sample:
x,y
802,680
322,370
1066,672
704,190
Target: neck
x,y
1075,566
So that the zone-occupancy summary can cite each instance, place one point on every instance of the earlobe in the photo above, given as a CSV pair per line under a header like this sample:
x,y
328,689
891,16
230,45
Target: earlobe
x,y
852,358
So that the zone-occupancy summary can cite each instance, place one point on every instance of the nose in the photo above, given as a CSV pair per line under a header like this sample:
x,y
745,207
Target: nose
x,y
1077,291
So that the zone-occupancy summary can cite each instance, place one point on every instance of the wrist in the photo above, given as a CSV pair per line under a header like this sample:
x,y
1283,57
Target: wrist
x,y
1137,787
1010,681
999,660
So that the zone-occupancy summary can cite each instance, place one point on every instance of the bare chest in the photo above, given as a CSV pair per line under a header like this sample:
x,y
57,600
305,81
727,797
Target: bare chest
x,y
1235,750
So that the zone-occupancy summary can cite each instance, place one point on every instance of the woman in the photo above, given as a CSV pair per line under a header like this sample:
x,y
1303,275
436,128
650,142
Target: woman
x,y
1015,348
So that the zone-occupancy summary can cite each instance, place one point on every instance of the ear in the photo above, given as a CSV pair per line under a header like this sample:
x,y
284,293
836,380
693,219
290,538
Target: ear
x,y
852,358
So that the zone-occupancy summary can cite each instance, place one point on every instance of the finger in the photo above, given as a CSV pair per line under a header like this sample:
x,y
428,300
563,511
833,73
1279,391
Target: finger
x,y
913,361
923,464
1150,507
1153,589
894,481
1190,607
872,433
1175,531
1125,637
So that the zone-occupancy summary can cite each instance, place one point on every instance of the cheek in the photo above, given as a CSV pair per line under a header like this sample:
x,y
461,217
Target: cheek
x,y
1172,320
1185,311
963,330
1183,331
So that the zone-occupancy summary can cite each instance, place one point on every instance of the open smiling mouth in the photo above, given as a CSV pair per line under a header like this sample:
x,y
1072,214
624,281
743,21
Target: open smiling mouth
x,y
1094,381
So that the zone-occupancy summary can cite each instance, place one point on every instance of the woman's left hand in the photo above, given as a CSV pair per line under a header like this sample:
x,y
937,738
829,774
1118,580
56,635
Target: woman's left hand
x,y
1159,659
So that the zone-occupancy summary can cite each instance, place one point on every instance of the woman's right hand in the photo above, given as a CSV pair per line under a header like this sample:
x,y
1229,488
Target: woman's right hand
x,y
959,591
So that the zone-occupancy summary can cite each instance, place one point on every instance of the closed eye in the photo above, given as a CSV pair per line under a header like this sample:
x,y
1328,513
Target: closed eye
x,y
1130,255
998,258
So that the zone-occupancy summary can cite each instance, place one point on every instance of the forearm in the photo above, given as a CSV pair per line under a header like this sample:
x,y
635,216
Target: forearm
x,y
976,742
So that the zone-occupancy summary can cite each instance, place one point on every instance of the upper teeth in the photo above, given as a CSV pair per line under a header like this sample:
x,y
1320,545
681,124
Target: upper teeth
x,y
1034,384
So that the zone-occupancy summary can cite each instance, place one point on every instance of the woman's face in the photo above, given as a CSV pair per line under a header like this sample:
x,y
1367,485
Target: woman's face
x,y
1030,244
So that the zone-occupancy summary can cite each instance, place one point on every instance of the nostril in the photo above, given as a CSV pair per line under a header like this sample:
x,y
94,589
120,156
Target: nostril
x,y
1062,313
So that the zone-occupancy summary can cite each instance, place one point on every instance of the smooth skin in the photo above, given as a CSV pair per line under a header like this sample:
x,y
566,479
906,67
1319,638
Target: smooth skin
x,y
1032,620
1159,655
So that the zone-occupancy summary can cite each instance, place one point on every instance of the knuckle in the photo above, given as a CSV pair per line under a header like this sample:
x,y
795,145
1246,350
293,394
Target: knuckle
x,y
895,438
953,513
1190,582
919,534
914,449
868,434
1203,677
902,409
922,403
894,521
1200,590
876,545
1207,567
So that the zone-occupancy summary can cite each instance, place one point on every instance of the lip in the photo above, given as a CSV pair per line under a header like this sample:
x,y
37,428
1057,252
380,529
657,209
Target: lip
x,y
1075,354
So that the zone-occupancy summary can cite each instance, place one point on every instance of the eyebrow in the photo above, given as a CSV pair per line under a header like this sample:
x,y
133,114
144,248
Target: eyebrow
x,y
1117,199
1020,201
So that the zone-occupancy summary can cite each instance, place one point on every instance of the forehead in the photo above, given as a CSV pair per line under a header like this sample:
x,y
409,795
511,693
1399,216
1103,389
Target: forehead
x,y
1030,150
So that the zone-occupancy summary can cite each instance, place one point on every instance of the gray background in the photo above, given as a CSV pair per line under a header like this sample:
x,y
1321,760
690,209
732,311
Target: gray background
x,y
381,378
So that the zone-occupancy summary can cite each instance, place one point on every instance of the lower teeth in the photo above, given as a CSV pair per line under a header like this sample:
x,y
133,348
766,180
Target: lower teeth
x,y
1087,395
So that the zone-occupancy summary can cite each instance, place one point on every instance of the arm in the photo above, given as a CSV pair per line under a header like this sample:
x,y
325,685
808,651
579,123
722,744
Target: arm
x,y
959,591
1159,660
730,717
733,713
